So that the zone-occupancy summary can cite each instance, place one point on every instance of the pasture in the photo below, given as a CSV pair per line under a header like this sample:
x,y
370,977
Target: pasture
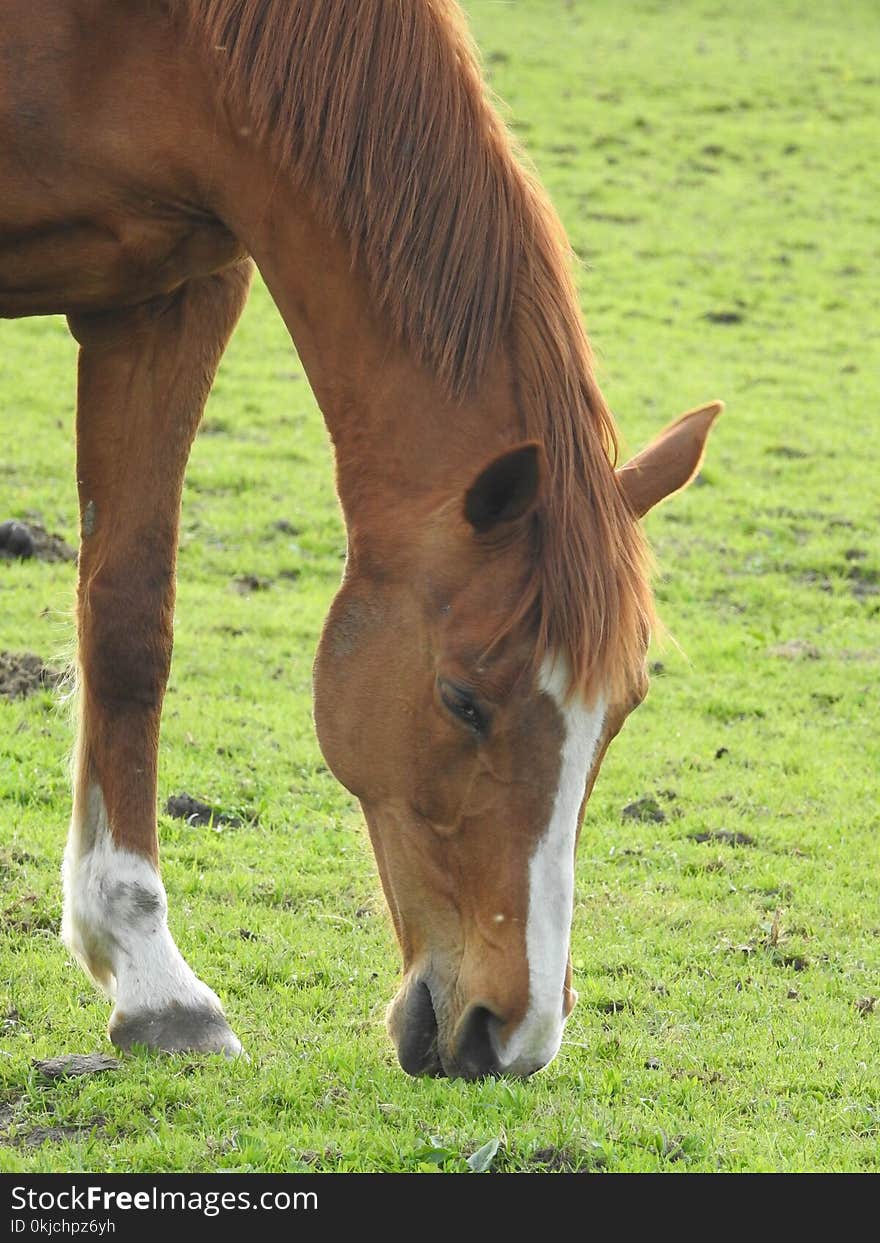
x,y
717,170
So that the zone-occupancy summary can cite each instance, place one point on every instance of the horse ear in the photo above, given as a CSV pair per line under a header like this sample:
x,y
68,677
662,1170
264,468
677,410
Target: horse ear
x,y
507,489
670,461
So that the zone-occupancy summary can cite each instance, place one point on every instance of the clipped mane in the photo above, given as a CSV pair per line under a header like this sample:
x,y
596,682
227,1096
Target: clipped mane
x,y
378,109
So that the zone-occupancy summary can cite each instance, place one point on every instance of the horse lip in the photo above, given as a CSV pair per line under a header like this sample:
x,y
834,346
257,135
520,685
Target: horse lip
x,y
417,1046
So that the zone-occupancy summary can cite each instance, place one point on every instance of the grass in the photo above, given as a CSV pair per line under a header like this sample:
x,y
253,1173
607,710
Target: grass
x,y
717,167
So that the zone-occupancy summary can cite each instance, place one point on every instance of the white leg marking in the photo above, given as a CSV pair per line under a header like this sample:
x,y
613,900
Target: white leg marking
x,y
551,883
115,922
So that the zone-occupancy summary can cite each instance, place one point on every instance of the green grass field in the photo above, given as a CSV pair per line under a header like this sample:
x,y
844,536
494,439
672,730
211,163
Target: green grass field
x,y
718,169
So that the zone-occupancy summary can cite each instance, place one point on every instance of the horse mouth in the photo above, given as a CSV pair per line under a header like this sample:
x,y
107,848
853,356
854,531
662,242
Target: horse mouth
x,y
413,1025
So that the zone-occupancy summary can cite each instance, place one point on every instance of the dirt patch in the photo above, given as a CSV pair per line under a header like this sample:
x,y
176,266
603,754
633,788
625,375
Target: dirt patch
x,y
786,451
23,674
11,860
709,865
815,578
213,427
247,584
10,1020
796,962
824,699
14,1135
706,1077
611,1005
645,810
723,835
795,649
723,317
23,541
864,581
73,1065
195,812
23,916
39,1135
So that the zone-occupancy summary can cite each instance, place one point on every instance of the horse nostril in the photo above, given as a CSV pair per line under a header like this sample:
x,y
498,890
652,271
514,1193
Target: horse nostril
x,y
475,1055
417,1047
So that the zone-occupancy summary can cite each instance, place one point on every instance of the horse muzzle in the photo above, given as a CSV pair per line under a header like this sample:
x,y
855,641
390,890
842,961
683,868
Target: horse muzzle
x,y
471,1048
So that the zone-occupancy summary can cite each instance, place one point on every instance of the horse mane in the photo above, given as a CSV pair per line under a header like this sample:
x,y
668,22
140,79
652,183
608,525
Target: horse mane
x,y
379,109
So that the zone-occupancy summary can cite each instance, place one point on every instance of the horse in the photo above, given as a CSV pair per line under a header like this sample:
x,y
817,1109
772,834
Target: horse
x,y
489,635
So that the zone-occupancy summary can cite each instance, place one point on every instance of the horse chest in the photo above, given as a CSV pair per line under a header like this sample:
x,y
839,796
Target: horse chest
x,y
87,262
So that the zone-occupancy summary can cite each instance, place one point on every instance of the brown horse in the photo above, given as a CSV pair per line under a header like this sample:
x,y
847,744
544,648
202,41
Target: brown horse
x,y
489,636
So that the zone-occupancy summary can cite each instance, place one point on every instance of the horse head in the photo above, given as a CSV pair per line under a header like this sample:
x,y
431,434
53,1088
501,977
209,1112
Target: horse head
x,y
473,756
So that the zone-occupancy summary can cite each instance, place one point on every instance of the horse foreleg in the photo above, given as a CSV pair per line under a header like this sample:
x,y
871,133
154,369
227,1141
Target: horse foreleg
x,y
144,376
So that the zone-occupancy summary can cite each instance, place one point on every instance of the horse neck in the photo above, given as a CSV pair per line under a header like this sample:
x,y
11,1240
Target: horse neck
x,y
401,441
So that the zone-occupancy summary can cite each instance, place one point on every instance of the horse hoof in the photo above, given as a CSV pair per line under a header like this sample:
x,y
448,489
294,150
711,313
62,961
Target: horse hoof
x,y
175,1030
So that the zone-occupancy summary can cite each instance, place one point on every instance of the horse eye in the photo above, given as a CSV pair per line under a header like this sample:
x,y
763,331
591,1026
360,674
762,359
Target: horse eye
x,y
463,706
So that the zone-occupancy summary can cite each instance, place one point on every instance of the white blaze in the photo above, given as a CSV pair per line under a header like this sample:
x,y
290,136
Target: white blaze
x,y
551,882
115,921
